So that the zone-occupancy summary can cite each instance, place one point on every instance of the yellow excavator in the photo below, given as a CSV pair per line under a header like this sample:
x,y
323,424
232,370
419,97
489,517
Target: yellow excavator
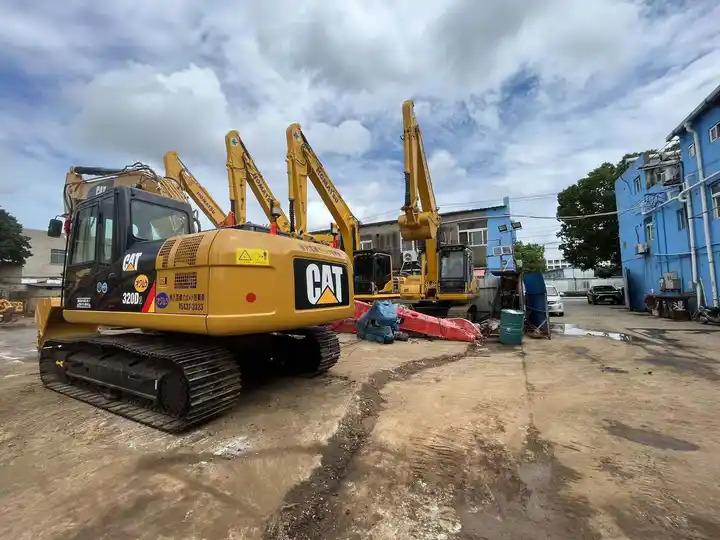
x,y
446,285
372,269
242,172
187,308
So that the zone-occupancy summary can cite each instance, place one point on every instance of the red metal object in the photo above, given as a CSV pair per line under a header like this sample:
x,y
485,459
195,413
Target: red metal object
x,y
273,228
418,323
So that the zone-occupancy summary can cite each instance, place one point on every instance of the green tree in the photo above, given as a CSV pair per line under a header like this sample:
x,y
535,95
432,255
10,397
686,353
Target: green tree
x,y
593,242
14,247
531,255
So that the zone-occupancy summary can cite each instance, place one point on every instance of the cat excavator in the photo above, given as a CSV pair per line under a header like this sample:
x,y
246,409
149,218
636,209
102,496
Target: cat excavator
x,y
187,308
372,269
446,285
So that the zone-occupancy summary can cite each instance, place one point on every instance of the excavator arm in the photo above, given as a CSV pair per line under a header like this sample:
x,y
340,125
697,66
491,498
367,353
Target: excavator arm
x,y
302,163
243,171
176,170
420,219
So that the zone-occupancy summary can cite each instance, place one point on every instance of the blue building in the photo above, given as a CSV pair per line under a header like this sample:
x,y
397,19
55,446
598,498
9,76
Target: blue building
x,y
669,213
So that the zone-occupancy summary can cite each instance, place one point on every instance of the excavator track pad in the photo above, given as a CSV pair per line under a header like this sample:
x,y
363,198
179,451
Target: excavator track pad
x,y
167,382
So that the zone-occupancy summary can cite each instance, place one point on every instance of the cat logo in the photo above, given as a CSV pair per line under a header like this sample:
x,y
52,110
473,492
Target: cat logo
x,y
130,262
319,284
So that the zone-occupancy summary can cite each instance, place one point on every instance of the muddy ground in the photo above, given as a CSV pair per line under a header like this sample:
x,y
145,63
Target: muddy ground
x,y
577,437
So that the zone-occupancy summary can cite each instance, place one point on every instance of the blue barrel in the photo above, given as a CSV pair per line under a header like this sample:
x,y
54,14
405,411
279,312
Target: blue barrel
x,y
511,326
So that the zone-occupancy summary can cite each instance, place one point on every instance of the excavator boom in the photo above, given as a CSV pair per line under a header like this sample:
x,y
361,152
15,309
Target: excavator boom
x,y
176,170
420,219
243,171
303,163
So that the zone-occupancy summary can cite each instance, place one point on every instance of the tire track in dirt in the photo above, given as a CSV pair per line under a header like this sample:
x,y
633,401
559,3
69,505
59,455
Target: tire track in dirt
x,y
308,507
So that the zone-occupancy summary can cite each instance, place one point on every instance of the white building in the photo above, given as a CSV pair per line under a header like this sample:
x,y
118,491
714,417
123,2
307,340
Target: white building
x,y
574,280
556,263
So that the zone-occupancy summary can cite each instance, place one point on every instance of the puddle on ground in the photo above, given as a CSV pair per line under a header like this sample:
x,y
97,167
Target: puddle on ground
x,y
574,330
649,438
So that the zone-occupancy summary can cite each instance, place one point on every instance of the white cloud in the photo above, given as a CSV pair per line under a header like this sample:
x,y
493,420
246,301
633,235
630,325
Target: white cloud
x,y
350,137
513,98
142,112
444,168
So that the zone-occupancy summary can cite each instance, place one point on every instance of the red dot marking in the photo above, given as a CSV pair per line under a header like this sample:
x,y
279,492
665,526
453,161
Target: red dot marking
x,y
250,297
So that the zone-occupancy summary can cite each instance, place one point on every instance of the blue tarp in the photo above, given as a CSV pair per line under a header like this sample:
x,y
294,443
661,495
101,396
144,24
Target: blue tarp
x,y
536,301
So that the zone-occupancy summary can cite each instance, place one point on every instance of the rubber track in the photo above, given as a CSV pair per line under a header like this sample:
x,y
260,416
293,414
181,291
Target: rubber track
x,y
212,374
329,346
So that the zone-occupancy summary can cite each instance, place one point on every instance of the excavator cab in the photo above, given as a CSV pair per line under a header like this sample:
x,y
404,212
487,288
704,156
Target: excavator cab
x,y
456,268
115,236
373,271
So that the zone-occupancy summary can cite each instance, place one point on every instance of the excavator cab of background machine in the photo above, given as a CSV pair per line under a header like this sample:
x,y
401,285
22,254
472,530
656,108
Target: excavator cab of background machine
x,y
372,271
456,268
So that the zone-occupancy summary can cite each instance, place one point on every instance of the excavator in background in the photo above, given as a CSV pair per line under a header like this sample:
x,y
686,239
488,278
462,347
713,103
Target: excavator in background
x,y
186,183
372,269
189,309
446,285
243,171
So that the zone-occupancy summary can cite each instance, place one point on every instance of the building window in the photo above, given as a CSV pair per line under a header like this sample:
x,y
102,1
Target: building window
x,y
473,237
715,132
715,194
649,231
650,178
365,244
638,184
691,150
57,256
681,219
657,176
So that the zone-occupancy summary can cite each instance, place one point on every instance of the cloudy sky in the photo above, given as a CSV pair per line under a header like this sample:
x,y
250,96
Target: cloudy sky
x,y
514,97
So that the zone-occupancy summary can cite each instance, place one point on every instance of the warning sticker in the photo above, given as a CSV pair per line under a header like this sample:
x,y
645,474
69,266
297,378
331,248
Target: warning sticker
x,y
252,256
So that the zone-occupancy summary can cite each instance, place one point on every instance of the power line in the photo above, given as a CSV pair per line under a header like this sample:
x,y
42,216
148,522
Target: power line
x,y
472,203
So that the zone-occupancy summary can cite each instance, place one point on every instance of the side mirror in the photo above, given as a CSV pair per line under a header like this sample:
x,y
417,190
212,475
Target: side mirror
x,y
55,228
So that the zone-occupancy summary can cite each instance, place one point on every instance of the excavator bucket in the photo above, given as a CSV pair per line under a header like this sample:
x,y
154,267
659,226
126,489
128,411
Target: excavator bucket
x,y
51,324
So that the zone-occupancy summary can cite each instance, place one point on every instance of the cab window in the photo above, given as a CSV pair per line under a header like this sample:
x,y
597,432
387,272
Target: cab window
x,y
157,222
84,235
107,213
452,265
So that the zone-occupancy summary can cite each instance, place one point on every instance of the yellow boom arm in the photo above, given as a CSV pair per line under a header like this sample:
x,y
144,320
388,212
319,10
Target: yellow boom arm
x,y
176,170
302,163
420,219
243,171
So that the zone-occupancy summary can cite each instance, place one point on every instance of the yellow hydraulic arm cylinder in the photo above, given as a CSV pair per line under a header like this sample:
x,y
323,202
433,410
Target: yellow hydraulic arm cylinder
x,y
420,219
242,171
302,163
176,170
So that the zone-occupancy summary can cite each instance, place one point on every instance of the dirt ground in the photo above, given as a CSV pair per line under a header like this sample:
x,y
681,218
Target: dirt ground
x,y
577,437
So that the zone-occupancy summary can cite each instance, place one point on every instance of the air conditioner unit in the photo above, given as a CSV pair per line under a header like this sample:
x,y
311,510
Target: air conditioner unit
x,y
642,249
497,251
506,250
410,255
670,282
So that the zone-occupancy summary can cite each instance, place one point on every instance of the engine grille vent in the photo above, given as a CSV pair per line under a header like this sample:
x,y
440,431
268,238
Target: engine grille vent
x,y
164,252
186,252
186,280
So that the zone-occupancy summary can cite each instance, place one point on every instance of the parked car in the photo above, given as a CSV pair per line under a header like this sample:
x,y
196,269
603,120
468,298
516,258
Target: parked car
x,y
604,293
554,300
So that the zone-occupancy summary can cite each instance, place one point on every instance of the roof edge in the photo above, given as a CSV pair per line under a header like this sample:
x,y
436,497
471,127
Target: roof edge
x,y
709,100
